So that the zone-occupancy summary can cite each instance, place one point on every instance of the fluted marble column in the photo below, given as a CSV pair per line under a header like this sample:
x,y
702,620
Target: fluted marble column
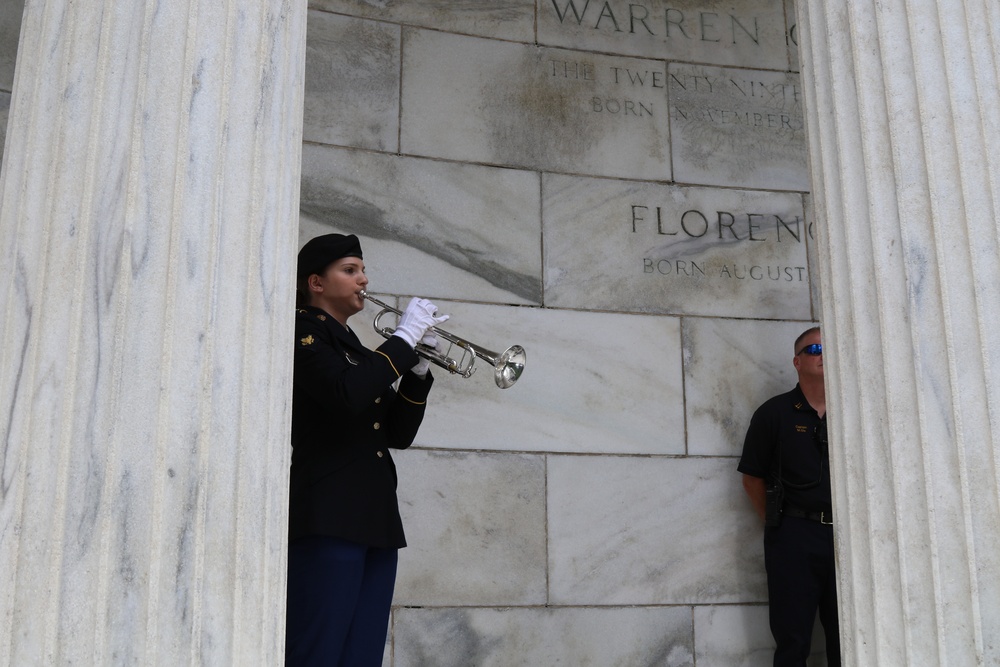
x,y
902,99
148,228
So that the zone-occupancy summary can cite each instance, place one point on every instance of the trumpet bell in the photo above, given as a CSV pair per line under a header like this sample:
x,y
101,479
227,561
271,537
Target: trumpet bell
x,y
509,366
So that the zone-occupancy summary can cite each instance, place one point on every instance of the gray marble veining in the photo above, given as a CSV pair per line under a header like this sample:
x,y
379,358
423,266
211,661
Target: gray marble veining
x,y
582,637
429,228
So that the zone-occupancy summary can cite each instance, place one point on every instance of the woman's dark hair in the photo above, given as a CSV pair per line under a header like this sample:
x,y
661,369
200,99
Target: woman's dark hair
x,y
302,292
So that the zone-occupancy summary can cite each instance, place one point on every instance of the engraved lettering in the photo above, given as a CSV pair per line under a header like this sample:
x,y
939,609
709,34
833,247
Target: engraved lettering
x,y
625,107
751,226
791,38
777,122
571,5
676,24
691,81
642,19
637,78
606,11
794,232
728,226
659,223
756,29
706,25
568,69
756,272
732,221
679,267
679,22
777,94
704,223
635,214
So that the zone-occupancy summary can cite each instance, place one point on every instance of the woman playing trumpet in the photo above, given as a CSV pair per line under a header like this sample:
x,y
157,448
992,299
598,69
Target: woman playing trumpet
x,y
344,523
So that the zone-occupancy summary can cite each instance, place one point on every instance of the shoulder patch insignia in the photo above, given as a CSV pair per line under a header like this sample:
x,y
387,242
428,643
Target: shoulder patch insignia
x,y
308,340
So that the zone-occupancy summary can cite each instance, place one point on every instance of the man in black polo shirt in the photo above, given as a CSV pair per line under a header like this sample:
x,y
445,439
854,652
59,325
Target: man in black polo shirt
x,y
786,473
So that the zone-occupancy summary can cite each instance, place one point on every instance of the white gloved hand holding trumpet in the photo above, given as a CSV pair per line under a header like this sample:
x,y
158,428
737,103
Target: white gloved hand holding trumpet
x,y
414,327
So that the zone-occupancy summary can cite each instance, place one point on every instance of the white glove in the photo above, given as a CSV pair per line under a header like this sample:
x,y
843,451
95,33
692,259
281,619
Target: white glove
x,y
429,340
419,316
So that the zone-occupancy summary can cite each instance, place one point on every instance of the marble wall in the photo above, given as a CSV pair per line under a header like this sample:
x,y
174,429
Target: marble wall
x,y
620,187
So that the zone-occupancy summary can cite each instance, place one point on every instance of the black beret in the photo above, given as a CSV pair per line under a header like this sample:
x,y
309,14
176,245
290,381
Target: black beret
x,y
321,251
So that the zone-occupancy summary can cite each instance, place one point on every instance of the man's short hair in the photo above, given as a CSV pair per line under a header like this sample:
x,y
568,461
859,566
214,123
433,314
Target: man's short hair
x,y
802,336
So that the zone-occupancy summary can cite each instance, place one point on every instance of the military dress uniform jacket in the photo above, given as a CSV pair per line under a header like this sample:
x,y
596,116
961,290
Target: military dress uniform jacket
x,y
345,418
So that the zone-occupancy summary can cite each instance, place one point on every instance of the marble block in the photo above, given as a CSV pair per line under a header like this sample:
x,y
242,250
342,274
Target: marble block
x,y
734,636
740,636
581,637
480,100
429,228
737,127
593,382
633,530
643,247
750,33
352,82
730,368
502,19
475,526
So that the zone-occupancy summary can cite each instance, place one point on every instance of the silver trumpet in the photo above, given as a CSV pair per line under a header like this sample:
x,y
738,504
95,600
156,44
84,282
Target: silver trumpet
x,y
507,366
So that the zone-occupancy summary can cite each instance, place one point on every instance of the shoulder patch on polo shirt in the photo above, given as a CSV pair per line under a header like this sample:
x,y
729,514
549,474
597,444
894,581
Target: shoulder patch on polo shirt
x,y
308,340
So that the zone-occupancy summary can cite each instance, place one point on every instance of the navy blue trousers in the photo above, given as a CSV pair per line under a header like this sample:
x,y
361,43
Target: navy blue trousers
x,y
339,595
801,579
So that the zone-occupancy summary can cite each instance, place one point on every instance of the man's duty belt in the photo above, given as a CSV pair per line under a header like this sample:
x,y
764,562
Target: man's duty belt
x,y
825,518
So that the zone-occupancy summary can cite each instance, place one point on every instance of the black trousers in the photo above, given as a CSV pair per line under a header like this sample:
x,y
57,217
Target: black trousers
x,y
801,579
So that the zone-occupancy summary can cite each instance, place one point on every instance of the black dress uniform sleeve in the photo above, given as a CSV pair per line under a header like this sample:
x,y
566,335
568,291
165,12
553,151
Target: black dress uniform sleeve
x,y
335,375
760,442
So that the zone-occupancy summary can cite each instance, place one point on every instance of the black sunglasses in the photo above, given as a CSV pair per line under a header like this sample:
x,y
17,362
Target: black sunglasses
x,y
813,350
